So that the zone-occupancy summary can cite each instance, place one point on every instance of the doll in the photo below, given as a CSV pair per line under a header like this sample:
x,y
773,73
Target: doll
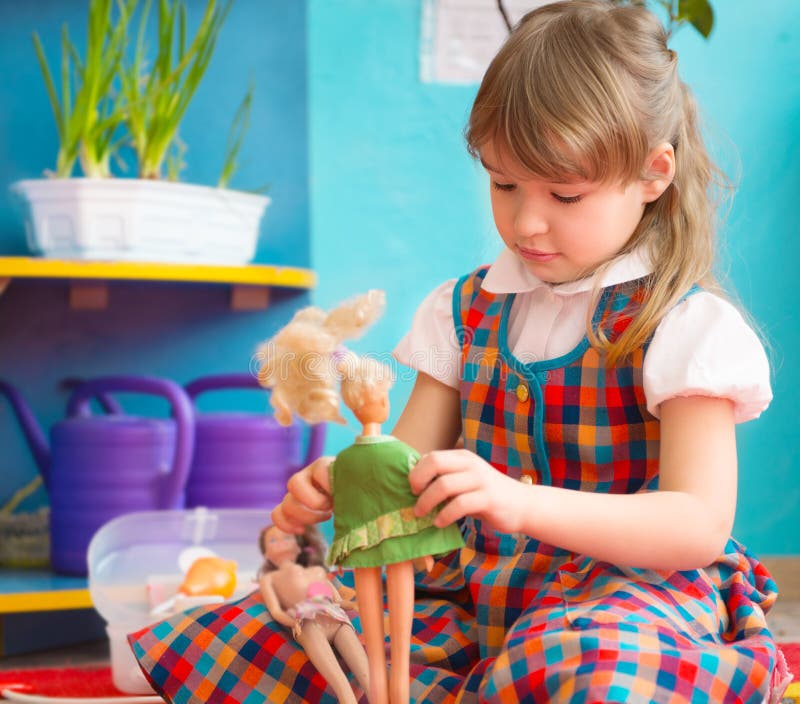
x,y
374,522
294,584
375,525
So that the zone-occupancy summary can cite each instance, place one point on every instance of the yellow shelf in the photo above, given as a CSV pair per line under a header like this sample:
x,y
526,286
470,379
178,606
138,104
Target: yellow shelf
x,y
25,591
252,274
88,280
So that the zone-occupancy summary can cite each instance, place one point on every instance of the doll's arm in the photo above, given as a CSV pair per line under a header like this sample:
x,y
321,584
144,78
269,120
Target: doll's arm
x,y
272,602
348,604
431,420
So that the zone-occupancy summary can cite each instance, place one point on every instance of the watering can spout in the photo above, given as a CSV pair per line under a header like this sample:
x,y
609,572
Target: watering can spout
x,y
37,440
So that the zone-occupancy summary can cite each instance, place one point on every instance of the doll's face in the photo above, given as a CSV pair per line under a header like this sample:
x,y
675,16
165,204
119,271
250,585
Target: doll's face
x,y
280,547
375,408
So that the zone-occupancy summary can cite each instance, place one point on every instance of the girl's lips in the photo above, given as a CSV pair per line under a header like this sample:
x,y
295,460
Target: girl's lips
x,y
534,255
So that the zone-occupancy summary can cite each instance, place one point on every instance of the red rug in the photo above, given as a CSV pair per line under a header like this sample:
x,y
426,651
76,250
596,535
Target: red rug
x,y
61,682
96,681
791,651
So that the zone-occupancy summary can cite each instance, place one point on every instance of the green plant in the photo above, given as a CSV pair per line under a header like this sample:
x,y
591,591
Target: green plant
x,y
87,113
174,158
157,96
697,13
241,122
109,98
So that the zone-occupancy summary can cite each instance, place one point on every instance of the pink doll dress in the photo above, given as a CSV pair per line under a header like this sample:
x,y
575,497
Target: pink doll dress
x,y
318,601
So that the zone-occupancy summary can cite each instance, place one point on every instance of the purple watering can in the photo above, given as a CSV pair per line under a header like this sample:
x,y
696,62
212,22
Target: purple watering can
x,y
100,467
242,460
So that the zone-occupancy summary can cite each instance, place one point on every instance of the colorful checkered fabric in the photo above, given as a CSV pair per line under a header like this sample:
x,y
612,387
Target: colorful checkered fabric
x,y
508,618
563,626
567,422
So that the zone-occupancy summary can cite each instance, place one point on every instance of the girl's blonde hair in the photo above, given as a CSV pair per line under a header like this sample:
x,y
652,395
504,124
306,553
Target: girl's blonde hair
x,y
587,89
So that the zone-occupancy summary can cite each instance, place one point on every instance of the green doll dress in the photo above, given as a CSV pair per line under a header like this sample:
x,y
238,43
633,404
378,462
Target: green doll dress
x,y
373,507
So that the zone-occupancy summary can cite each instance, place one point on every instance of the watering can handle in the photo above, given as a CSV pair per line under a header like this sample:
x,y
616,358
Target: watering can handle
x,y
182,410
316,440
37,440
222,381
108,403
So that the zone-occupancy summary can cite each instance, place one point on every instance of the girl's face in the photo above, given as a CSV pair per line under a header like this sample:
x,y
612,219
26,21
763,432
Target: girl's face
x,y
560,231
280,547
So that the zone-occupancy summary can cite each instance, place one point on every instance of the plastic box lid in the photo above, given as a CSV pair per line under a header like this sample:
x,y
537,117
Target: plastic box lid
x,y
132,552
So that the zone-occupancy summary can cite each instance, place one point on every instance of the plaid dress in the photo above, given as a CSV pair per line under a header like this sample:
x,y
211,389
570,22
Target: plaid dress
x,y
508,618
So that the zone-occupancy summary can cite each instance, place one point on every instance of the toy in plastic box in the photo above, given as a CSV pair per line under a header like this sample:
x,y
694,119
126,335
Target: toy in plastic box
x,y
137,563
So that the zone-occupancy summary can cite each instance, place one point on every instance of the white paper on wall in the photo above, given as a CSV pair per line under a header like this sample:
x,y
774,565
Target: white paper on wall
x,y
460,37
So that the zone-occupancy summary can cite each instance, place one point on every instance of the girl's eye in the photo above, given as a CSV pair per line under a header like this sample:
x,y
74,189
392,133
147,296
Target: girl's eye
x,y
503,186
567,199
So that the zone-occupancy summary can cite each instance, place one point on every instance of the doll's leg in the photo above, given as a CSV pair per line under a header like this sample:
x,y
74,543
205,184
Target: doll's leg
x,y
349,646
314,639
400,592
369,595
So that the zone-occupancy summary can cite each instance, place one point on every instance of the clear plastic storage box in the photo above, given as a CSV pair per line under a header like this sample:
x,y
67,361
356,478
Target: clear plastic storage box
x,y
135,569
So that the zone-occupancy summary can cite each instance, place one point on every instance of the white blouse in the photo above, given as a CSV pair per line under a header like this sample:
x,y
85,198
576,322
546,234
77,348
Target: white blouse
x,y
702,347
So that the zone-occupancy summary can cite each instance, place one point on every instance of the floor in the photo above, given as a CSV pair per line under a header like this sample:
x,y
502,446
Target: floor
x,y
784,620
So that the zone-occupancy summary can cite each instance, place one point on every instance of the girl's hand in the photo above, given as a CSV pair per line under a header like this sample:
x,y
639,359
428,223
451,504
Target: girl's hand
x,y
308,500
463,484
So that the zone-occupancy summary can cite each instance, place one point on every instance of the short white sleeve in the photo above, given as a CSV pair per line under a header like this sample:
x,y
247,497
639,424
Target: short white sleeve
x,y
431,346
703,347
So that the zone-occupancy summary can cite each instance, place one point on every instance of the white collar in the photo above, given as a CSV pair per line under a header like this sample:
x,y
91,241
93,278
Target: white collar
x,y
508,274
373,439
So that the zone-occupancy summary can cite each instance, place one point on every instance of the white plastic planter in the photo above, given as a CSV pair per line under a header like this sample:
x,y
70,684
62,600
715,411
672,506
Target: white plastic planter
x,y
143,220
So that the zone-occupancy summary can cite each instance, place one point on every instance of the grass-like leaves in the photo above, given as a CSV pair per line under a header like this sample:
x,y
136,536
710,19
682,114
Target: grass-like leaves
x,y
119,92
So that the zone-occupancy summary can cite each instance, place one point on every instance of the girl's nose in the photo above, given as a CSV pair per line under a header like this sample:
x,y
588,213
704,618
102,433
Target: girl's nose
x,y
529,219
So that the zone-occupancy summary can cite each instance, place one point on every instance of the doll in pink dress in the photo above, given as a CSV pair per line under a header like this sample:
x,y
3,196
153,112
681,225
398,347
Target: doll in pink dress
x,y
299,595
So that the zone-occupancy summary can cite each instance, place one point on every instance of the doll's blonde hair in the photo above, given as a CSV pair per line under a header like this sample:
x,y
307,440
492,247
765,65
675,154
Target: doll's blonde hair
x,y
363,379
300,362
587,89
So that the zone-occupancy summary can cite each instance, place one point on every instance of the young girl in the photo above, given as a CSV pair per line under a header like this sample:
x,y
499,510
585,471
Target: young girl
x,y
597,378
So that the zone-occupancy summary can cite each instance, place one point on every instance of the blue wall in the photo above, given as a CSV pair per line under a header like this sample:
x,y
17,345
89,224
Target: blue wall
x,y
177,331
397,203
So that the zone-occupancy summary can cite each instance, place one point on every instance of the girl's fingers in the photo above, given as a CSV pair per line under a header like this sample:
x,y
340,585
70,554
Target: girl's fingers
x,y
310,486
435,464
443,488
279,519
308,500
320,470
292,516
468,504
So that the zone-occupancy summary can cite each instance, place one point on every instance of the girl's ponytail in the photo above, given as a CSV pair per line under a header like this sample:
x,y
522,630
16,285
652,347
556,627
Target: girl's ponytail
x,y
679,229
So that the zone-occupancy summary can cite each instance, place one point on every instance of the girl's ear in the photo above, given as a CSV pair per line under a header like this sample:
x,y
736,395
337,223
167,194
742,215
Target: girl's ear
x,y
659,172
